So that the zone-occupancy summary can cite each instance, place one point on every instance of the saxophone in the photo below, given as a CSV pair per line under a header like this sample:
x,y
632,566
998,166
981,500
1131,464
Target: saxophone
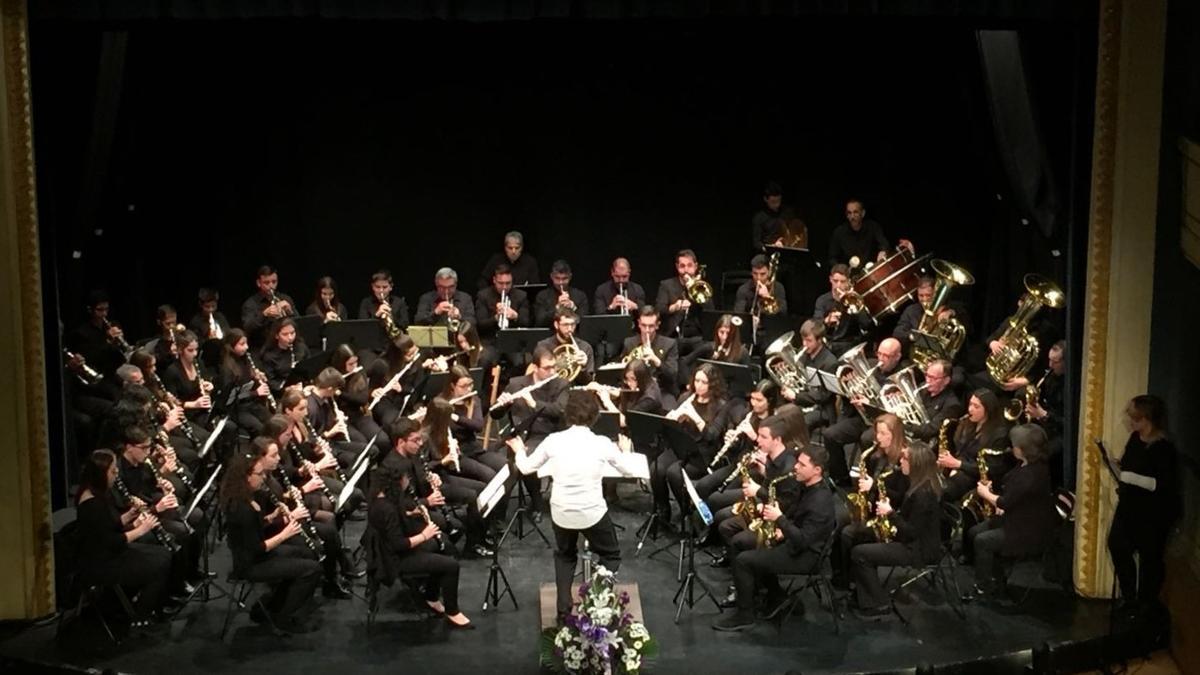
x,y
972,502
747,505
882,525
859,505
763,528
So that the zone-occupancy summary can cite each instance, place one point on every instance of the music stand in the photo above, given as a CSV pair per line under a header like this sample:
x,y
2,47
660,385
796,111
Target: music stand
x,y
644,429
520,340
686,594
773,326
738,378
212,438
359,334
522,430
784,250
491,495
430,337
929,343
202,588
306,370
530,288
608,329
348,489
709,319
308,327
612,374
608,424
685,447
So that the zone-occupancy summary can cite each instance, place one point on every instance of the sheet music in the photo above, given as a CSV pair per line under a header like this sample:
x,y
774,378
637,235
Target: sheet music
x,y
348,490
701,506
213,437
203,491
492,493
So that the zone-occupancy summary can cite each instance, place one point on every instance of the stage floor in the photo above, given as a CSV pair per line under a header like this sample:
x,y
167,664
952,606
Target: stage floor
x,y
506,640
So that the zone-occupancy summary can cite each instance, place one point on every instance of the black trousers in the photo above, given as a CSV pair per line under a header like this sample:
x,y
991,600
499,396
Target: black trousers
x,y
850,537
986,540
463,492
142,569
601,538
442,570
293,575
762,567
847,431
735,533
1141,581
708,484
674,478
865,561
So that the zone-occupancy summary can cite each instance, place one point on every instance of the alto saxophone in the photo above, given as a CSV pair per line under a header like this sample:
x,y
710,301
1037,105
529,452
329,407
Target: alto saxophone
x,y
765,529
859,505
882,525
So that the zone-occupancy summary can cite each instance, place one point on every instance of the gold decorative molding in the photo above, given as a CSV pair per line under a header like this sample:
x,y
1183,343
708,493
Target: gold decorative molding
x,y
29,537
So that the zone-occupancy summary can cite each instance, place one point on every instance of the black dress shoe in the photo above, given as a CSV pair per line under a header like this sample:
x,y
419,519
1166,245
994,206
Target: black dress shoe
x,y
481,551
537,517
872,613
720,561
730,600
334,590
739,620
353,574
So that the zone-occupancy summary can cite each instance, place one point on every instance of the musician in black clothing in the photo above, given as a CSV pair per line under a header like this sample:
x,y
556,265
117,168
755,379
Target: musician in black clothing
x,y
845,325
847,433
185,379
560,294
882,462
726,346
983,429
1025,515
750,294
326,302
524,267
545,405
400,539
466,424
329,422
112,545
565,322
97,340
283,351
281,560
914,531
660,354
162,344
1149,504
739,439
680,318
355,395
639,394
298,471
767,223
1046,410
858,239
911,315
251,408
445,303
618,295
209,322
800,532
266,306
316,455
489,304
382,300
938,399
395,378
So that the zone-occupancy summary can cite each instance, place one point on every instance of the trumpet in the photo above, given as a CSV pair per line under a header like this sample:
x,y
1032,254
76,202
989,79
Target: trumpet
x,y
329,313
274,302
453,323
502,315
384,314
624,293
214,328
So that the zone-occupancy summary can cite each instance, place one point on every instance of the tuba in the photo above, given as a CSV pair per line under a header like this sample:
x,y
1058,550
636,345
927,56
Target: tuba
x,y
783,364
697,289
858,377
1019,349
901,396
569,360
948,334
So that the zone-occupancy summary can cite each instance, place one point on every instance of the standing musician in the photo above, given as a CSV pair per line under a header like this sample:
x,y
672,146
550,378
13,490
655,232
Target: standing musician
x,y
858,241
751,294
726,346
402,539
355,395
544,405
800,532
185,379
326,302
113,547
283,351
767,223
382,300
938,399
251,410
1025,514
499,305
706,415
298,471
328,419
577,459
560,294
209,321
740,439
524,267
279,560
445,305
618,295
266,306
565,322
98,340
466,424
913,527
401,356
848,430
327,541
661,354
845,325
673,303
984,427
817,402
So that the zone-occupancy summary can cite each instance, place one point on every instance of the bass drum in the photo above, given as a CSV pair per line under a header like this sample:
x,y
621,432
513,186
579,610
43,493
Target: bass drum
x,y
890,284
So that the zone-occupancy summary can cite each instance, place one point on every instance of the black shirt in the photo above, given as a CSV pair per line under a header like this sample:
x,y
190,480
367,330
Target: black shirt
x,y
546,302
865,244
201,327
277,363
428,301
485,310
808,520
524,270
1158,461
938,408
917,523
368,306
550,403
101,534
317,309
254,322
606,291
747,294
686,323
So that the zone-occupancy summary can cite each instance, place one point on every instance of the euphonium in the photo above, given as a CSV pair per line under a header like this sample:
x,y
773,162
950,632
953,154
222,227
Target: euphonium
x,y
857,502
1019,349
698,290
948,334
783,364
902,397
858,375
764,529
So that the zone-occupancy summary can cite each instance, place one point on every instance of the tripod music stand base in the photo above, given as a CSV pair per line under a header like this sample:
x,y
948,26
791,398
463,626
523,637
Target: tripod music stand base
x,y
492,593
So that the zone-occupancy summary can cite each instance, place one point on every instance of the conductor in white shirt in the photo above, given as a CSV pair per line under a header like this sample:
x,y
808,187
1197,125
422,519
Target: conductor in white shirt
x,y
578,460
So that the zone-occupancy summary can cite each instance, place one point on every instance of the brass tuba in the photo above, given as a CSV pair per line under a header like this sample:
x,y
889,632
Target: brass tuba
x,y
857,376
783,364
698,290
901,396
1019,349
948,334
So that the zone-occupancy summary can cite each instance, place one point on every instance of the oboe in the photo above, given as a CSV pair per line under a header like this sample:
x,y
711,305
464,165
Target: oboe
x,y
160,533
307,531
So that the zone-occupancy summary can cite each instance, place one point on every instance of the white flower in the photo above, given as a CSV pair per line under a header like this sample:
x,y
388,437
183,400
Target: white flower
x,y
637,644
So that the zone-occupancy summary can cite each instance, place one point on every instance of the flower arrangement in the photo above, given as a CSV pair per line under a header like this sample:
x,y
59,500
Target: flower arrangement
x,y
599,635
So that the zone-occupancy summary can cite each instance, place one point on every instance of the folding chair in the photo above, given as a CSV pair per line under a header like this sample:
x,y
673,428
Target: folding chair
x,y
944,572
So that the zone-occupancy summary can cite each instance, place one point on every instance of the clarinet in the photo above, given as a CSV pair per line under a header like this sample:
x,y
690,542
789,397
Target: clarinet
x,y
168,542
183,477
729,443
296,460
441,543
310,537
257,374
185,425
329,449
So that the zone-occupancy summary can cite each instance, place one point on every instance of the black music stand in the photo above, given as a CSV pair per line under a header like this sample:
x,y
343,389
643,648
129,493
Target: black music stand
x,y
685,447
644,429
492,495
359,334
608,425
522,430
203,589
306,370
308,327
686,594
739,379
612,374
435,384
609,330
773,326
520,340
530,288
708,324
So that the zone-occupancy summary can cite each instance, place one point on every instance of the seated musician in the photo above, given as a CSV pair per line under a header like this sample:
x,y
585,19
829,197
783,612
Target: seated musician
x,y
474,354
266,307
281,560
846,435
737,441
640,393
326,302
705,415
565,322
912,315
285,348
395,379
251,409
983,429
1047,410
382,300
294,469
1025,516
800,532
355,395
209,322
675,306
162,343
619,295
113,546
316,454
443,457
911,533
185,379
726,346
938,399
660,353
846,323
559,295
816,401
752,293
877,475
542,408
466,424
491,310
401,539
766,224
523,265
444,305
327,420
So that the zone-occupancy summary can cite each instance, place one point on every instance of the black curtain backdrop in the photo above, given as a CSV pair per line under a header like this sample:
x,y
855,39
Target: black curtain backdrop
x,y
336,148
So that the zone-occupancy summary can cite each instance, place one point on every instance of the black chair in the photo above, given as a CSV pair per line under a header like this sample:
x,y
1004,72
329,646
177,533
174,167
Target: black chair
x,y
239,592
730,281
944,572
91,596
411,581
820,581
